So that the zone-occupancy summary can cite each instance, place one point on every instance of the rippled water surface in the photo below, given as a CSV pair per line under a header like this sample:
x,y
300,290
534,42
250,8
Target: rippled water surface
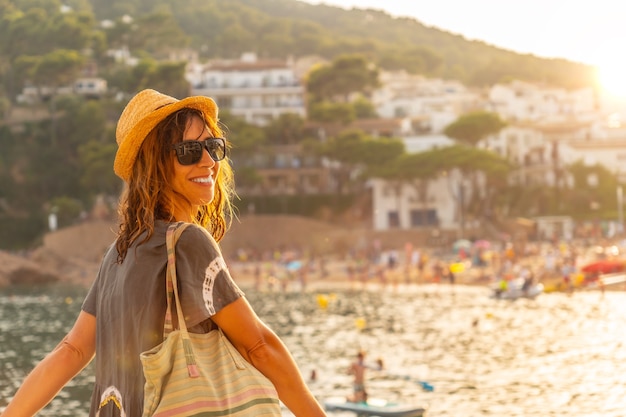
x,y
558,355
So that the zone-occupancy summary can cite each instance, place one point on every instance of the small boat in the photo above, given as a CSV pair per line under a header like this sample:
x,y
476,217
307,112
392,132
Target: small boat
x,y
374,407
516,289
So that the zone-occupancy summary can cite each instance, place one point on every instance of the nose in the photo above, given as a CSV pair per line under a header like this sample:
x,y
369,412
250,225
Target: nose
x,y
206,158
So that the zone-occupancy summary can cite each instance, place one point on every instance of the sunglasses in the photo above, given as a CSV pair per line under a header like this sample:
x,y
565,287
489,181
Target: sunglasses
x,y
189,152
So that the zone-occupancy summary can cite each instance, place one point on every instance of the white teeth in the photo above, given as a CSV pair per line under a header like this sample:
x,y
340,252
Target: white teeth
x,y
204,180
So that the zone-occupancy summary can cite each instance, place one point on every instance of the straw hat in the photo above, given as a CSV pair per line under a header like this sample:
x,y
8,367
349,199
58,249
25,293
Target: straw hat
x,y
142,113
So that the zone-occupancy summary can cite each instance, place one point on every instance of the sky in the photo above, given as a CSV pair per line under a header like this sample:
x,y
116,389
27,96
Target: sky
x,y
588,31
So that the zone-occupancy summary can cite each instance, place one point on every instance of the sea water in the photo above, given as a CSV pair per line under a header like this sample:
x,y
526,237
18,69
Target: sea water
x,y
557,355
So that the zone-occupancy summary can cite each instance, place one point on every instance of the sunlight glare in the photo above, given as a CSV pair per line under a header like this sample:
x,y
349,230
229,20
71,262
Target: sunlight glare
x,y
612,79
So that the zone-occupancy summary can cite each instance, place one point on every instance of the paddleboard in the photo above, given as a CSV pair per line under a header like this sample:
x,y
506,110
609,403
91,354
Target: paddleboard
x,y
374,407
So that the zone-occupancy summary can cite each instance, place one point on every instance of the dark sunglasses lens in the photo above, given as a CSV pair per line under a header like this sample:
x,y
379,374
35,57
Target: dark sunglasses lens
x,y
216,148
189,152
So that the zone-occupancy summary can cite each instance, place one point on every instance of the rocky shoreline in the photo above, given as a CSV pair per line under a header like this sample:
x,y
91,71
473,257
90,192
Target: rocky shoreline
x,y
70,255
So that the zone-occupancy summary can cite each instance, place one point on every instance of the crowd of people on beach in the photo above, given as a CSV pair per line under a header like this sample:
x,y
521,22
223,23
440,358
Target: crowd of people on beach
x,y
556,263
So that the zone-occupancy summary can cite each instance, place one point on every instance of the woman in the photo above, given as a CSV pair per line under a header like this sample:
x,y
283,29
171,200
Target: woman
x,y
172,159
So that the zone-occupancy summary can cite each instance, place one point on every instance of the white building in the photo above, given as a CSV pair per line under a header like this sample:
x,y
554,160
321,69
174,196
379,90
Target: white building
x,y
432,204
609,153
524,101
527,148
90,87
422,143
435,102
257,90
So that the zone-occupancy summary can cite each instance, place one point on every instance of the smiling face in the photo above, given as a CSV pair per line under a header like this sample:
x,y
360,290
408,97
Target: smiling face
x,y
196,182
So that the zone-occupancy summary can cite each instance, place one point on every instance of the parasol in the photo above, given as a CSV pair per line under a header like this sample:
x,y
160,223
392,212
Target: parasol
x,y
482,244
461,244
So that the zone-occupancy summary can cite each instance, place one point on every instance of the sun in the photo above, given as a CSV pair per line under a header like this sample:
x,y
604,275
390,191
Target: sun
x,y
612,79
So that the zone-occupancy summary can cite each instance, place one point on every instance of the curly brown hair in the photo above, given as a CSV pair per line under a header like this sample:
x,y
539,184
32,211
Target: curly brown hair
x,y
148,195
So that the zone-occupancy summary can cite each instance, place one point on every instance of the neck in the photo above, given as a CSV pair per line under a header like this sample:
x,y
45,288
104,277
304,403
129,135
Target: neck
x,y
184,213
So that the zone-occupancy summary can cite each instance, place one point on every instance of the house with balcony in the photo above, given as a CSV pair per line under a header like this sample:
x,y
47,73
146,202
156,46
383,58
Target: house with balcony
x,y
257,90
286,170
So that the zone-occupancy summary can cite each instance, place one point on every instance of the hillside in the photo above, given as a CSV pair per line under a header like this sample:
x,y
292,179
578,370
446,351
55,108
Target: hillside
x,y
291,28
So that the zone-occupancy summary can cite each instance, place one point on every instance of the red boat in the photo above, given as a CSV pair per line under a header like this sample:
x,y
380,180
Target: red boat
x,y
605,266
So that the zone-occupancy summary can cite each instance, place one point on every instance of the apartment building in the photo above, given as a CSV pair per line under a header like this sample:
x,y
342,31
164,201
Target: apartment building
x,y
256,90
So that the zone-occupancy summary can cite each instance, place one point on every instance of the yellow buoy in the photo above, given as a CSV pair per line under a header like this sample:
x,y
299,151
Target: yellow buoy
x,y
322,301
360,323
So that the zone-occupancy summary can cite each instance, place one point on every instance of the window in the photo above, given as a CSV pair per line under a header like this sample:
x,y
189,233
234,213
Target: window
x,y
394,219
422,218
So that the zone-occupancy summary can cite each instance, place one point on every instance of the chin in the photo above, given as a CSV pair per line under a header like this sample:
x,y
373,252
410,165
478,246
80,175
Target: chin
x,y
206,201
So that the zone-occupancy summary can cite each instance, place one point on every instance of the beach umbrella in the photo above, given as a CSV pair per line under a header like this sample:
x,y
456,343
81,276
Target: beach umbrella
x,y
294,265
482,244
461,244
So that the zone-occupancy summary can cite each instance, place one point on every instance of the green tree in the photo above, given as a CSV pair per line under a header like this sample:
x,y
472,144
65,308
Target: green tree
x,y
67,209
120,32
357,153
96,159
58,68
246,139
287,129
484,170
593,194
157,33
329,112
472,127
363,108
417,60
347,74
169,78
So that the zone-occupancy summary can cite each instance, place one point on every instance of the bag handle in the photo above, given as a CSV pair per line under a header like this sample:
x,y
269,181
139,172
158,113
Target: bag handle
x,y
173,233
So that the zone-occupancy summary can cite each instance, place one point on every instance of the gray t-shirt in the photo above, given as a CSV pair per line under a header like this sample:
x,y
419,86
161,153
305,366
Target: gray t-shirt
x,y
129,302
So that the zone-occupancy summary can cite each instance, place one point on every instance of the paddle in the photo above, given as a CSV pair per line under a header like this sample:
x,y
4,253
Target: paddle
x,y
425,385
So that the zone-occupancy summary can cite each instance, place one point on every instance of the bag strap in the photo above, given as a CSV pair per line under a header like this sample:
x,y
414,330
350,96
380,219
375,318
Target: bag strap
x,y
170,240
173,233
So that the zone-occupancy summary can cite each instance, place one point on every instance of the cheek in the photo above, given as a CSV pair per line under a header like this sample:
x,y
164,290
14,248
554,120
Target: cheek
x,y
179,177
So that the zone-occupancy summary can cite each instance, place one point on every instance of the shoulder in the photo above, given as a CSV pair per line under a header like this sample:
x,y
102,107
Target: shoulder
x,y
197,238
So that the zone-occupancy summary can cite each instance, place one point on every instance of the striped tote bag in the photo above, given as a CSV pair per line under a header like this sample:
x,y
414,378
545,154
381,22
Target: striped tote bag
x,y
200,374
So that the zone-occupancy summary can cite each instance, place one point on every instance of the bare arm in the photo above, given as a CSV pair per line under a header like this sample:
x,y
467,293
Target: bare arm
x,y
51,374
266,352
